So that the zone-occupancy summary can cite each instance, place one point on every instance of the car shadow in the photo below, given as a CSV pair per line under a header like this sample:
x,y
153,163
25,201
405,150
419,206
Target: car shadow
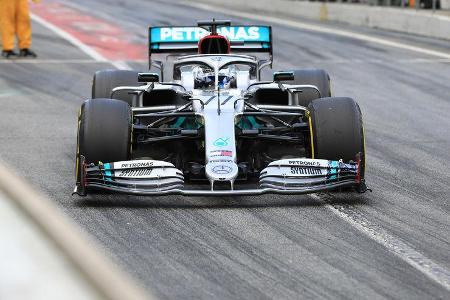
x,y
101,200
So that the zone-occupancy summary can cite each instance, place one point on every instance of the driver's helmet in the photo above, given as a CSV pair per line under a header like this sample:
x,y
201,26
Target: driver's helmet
x,y
227,78
204,78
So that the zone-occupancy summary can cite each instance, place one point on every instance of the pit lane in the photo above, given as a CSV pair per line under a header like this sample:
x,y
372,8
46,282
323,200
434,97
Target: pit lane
x,y
265,246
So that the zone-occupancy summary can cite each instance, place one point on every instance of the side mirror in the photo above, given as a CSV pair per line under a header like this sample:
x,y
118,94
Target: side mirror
x,y
148,77
283,76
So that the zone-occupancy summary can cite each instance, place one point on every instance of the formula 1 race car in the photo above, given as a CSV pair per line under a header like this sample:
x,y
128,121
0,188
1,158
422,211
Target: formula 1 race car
x,y
205,123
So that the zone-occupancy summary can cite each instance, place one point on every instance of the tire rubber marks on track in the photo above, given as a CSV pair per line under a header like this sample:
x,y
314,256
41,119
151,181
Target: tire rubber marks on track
x,y
402,250
102,41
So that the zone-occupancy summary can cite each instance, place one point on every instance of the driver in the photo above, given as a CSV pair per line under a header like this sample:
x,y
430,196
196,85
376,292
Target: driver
x,y
204,78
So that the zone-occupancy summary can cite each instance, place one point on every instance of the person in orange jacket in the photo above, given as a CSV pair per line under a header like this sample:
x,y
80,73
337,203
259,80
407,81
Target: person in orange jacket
x,y
15,19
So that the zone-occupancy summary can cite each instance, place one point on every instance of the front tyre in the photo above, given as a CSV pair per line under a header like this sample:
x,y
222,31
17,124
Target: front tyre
x,y
104,131
337,131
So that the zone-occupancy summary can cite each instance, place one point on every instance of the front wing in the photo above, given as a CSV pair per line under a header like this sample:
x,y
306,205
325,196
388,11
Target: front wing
x,y
151,177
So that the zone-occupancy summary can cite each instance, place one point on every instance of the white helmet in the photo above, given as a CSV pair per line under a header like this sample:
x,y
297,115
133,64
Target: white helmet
x,y
204,78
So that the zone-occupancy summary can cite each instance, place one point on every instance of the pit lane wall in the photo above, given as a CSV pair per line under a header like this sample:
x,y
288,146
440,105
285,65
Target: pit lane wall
x,y
412,21
43,255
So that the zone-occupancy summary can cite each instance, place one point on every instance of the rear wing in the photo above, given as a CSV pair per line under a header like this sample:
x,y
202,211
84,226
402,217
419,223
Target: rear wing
x,y
182,39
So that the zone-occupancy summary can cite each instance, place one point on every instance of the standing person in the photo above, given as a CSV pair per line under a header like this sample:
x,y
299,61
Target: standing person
x,y
15,20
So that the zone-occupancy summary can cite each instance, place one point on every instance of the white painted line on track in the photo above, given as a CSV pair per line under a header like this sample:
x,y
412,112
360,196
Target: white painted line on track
x,y
7,94
80,45
50,61
318,28
68,37
325,61
396,246
353,61
121,65
60,61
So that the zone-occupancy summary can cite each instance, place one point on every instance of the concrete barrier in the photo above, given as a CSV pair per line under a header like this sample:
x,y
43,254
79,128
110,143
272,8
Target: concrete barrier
x,y
445,4
45,256
420,22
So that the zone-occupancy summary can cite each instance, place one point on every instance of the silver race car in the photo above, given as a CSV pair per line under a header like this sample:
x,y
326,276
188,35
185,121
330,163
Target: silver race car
x,y
205,124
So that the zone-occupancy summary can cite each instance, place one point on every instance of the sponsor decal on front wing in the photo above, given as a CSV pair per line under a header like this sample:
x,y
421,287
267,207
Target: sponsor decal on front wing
x,y
304,167
144,169
307,171
134,173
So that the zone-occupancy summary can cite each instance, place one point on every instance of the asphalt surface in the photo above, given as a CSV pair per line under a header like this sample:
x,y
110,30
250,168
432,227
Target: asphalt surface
x,y
280,247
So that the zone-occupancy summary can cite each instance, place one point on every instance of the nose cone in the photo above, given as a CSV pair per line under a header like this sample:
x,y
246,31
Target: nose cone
x,y
221,171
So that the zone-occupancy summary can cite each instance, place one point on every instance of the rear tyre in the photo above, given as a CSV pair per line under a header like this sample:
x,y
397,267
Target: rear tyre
x,y
316,77
337,130
104,81
104,131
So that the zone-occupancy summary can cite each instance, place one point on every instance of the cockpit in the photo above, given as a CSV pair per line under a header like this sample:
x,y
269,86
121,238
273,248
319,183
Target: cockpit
x,y
215,73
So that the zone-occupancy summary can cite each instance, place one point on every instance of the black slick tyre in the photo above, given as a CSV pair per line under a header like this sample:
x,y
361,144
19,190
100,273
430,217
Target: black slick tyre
x,y
316,77
337,130
105,80
104,131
